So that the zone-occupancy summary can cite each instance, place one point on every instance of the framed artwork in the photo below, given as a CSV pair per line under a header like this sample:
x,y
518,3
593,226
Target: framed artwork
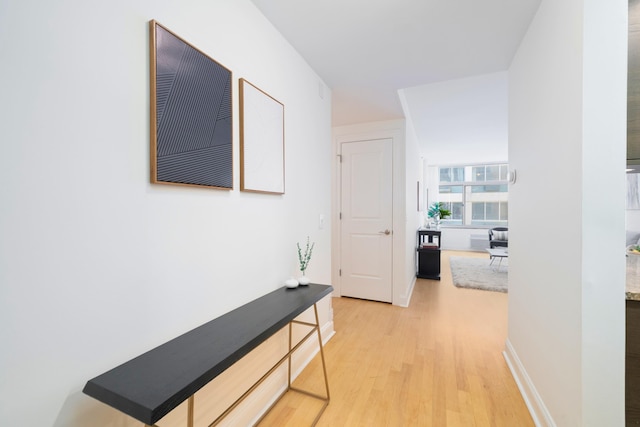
x,y
261,141
191,114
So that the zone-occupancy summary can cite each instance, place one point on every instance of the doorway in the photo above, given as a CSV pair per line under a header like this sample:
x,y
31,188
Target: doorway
x,y
366,212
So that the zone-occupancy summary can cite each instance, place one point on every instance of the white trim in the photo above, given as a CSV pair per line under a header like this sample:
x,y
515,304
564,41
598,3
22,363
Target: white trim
x,y
405,299
537,409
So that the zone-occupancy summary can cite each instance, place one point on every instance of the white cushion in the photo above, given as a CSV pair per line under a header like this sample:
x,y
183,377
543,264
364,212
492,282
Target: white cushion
x,y
632,237
500,235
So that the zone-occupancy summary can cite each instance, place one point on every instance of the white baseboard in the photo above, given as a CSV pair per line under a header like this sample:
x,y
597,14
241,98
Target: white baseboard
x,y
406,298
537,409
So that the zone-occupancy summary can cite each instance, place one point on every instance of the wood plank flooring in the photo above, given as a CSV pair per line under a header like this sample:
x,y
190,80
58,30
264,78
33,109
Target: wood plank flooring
x,y
436,363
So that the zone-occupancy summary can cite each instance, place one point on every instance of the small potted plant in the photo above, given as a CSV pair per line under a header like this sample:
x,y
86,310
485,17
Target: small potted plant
x,y
437,213
304,259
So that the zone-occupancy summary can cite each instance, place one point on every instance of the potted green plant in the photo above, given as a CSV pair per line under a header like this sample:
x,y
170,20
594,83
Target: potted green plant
x,y
304,259
437,213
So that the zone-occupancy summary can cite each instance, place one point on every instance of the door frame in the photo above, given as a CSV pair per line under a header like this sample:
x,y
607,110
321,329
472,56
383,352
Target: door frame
x,y
393,130
376,287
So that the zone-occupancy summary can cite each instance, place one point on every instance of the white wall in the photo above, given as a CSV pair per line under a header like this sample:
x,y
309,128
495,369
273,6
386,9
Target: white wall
x,y
459,239
415,203
96,264
567,122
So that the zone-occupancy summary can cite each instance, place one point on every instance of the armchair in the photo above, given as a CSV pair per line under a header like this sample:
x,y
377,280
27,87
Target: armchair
x,y
498,236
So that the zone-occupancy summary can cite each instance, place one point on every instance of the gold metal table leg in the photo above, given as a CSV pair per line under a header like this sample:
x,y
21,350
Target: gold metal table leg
x,y
324,368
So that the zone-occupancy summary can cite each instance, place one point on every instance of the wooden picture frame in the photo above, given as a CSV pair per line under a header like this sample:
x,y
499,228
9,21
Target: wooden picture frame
x,y
261,141
191,114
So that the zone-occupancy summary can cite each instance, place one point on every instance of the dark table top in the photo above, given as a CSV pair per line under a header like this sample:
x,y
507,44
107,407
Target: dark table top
x,y
152,384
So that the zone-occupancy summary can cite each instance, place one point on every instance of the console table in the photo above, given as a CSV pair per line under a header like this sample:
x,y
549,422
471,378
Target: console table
x,y
151,385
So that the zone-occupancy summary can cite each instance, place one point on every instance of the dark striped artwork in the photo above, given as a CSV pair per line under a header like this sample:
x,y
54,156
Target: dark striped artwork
x,y
191,130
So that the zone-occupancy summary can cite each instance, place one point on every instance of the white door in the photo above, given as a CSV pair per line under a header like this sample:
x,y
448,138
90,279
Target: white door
x,y
366,209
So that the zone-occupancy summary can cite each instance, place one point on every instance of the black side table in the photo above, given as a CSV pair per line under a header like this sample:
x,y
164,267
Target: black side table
x,y
428,254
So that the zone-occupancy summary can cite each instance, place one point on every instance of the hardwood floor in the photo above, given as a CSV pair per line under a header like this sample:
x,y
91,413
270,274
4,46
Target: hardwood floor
x,y
436,363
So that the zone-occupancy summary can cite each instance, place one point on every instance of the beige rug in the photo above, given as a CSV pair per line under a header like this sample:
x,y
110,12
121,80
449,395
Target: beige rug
x,y
476,273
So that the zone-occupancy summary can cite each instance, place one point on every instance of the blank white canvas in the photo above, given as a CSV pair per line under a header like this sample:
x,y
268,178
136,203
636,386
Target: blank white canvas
x,y
263,141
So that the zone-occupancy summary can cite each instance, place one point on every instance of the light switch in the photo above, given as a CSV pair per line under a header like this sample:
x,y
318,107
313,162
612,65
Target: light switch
x,y
321,222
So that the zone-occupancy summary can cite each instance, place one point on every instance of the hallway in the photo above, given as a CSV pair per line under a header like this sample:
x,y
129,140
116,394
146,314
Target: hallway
x,y
436,363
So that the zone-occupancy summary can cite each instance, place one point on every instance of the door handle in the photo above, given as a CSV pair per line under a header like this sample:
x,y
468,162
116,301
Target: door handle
x,y
385,232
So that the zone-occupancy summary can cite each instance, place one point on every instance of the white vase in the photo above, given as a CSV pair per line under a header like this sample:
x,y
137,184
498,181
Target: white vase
x,y
291,283
303,280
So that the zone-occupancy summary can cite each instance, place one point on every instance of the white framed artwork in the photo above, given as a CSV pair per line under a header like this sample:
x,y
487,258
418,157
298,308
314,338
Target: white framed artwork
x,y
261,141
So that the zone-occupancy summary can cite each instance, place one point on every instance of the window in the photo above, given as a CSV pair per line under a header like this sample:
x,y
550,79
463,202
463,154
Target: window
x,y
475,194
457,213
452,174
488,213
490,173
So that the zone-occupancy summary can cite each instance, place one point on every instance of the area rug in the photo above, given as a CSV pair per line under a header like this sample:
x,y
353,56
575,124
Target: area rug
x,y
476,273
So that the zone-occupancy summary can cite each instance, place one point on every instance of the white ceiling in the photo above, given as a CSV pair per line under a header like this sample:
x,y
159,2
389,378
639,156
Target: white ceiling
x,y
367,50
461,121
